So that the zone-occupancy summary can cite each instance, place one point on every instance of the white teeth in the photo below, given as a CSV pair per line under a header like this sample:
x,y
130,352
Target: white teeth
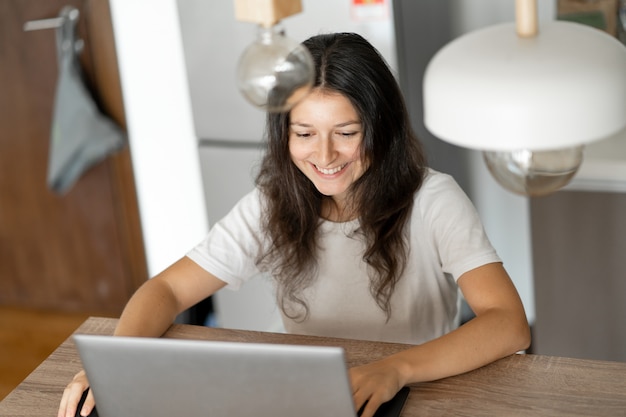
x,y
330,171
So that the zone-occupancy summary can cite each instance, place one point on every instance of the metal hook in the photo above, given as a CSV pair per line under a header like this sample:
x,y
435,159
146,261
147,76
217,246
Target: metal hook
x,y
68,14
52,23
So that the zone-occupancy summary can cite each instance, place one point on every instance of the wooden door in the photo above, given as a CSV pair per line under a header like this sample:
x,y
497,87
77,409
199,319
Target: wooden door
x,y
81,251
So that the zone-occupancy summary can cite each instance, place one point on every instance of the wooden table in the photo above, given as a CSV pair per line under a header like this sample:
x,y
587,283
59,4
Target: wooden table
x,y
519,385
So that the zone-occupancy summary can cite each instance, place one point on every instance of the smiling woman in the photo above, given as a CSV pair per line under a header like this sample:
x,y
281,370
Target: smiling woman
x,y
325,144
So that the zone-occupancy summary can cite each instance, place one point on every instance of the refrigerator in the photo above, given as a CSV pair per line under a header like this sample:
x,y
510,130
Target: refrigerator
x,y
230,130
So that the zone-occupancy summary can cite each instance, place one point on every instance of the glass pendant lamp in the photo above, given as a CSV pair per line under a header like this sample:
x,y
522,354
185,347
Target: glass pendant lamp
x,y
274,72
529,96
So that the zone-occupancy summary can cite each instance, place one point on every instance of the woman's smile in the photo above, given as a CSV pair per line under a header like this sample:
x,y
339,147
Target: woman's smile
x,y
330,171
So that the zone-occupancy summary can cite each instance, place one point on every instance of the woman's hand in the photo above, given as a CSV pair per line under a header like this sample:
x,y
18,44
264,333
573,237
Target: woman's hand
x,y
374,383
72,395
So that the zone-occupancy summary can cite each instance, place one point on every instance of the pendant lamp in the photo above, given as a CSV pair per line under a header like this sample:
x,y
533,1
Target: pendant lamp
x,y
274,72
528,95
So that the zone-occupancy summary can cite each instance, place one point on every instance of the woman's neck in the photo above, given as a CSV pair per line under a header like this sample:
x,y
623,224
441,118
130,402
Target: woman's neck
x,y
338,211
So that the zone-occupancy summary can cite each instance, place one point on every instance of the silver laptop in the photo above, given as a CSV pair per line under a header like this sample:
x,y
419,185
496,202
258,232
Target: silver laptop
x,y
173,377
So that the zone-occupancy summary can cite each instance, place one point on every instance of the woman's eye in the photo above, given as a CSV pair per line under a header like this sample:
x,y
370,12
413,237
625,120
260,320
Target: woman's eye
x,y
346,134
302,134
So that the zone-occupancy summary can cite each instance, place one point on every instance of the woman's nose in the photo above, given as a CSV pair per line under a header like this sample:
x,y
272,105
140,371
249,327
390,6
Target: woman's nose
x,y
326,151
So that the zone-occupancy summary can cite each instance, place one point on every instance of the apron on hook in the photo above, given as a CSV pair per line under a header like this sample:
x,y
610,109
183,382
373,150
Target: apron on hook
x,y
81,135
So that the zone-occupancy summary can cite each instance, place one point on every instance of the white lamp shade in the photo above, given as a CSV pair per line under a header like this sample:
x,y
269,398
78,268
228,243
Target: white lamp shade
x,y
493,90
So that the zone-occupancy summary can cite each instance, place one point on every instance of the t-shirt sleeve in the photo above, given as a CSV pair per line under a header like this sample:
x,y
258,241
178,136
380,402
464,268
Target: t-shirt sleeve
x,y
230,249
455,227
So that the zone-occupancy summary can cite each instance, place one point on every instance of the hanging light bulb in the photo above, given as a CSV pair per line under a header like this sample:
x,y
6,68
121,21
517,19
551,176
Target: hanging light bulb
x,y
534,173
528,97
274,72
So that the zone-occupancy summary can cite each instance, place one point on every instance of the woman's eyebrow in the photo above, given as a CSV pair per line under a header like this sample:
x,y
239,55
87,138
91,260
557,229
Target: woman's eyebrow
x,y
301,124
348,123
342,124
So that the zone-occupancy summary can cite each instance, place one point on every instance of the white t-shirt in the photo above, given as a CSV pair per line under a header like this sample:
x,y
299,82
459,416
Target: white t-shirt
x,y
446,239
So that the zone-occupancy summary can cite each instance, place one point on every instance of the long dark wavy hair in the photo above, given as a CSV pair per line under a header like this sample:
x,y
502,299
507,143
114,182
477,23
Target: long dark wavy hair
x,y
348,64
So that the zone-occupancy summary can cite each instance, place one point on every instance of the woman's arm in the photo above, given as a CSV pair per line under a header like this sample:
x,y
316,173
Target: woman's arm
x,y
155,305
500,328
150,312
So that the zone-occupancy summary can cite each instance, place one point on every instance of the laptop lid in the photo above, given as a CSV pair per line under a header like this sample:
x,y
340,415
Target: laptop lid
x,y
172,377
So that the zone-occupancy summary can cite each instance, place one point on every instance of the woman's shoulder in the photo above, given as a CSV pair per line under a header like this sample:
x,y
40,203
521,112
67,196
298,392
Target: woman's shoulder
x,y
247,208
441,197
436,182
253,198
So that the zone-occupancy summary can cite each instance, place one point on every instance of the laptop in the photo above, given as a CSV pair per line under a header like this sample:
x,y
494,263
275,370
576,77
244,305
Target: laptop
x,y
156,377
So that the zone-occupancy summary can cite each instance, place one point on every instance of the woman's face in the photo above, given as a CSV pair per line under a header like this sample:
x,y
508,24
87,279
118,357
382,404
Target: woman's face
x,y
325,138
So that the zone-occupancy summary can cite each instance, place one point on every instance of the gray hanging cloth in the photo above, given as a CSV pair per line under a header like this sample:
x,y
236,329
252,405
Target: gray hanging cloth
x,y
81,135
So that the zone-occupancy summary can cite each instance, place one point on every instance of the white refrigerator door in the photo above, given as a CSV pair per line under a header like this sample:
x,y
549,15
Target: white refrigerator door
x,y
227,174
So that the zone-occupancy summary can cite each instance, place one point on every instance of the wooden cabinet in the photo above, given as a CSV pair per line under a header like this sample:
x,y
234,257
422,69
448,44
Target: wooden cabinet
x,y
81,251
579,254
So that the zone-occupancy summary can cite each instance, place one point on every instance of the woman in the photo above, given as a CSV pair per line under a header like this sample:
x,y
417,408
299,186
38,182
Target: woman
x,y
361,239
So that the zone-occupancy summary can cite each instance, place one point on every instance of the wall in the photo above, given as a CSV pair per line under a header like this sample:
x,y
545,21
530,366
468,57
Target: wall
x,y
160,127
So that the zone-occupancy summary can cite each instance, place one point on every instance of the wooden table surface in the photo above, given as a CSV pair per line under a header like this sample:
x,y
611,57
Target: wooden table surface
x,y
519,385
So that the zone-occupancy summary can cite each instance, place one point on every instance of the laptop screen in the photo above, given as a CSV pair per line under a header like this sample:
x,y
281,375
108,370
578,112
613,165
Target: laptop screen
x,y
164,377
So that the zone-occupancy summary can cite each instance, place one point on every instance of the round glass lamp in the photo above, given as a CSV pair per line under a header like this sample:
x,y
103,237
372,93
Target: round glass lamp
x,y
530,96
274,72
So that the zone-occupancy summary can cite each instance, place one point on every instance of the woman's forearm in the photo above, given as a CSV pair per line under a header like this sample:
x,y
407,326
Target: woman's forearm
x,y
155,305
149,312
500,328
491,336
